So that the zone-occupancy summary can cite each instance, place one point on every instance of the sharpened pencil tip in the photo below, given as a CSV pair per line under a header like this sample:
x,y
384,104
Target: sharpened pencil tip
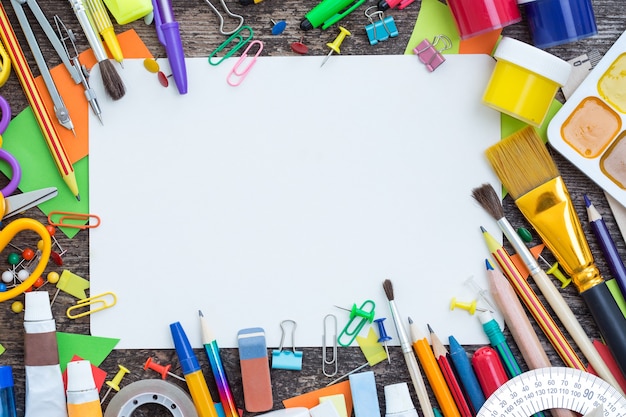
x,y
200,313
430,329
488,265
482,229
410,320
77,197
587,201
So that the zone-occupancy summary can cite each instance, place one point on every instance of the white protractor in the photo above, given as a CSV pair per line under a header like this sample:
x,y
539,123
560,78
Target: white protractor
x,y
555,387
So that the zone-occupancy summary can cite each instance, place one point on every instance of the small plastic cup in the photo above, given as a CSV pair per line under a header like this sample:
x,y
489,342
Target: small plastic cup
x,y
556,22
524,81
474,17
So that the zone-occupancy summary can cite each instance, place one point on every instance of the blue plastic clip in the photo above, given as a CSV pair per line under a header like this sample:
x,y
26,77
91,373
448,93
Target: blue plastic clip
x,y
236,38
290,360
381,29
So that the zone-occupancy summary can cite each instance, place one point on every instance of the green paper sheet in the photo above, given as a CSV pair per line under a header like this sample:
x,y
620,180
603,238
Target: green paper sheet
x,y
434,19
93,348
25,141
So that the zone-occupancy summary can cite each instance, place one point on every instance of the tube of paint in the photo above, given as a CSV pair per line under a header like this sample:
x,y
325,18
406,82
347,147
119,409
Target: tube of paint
x,y
82,395
45,395
398,401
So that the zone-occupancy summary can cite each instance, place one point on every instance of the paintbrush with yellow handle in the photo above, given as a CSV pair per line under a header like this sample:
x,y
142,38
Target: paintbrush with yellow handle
x,y
529,173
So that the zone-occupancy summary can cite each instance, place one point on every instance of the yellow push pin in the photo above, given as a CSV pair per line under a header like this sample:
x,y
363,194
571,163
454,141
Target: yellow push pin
x,y
334,46
115,382
469,307
554,270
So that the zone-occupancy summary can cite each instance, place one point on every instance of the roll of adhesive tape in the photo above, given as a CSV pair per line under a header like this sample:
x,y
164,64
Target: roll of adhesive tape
x,y
151,391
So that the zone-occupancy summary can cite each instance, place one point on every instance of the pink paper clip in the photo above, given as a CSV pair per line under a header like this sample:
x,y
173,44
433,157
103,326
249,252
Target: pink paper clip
x,y
429,54
237,74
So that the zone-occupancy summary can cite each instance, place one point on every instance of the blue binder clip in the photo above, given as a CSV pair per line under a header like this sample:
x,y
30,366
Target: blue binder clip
x,y
380,28
290,360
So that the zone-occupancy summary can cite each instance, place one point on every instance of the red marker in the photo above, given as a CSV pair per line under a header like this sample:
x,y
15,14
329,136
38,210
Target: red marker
x,y
489,370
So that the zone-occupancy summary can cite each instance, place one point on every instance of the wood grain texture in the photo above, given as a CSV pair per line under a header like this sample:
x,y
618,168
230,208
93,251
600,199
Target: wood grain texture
x,y
200,36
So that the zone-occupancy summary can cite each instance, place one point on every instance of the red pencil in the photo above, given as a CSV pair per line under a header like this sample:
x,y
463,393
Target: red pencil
x,y
441,354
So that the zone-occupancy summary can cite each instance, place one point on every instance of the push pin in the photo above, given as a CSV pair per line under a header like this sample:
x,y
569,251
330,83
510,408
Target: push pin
x,y
428,53
366,315
381,29
384,337
552,269
334,45
360,312
115,382
163,370
55,256
278,27
469,307
299,47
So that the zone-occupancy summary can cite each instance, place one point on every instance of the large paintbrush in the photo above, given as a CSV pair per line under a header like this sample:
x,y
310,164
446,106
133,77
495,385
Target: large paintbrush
x,y
487,197
527,170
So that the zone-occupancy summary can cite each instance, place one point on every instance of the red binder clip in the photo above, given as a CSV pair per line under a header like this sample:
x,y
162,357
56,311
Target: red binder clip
x,y
429,54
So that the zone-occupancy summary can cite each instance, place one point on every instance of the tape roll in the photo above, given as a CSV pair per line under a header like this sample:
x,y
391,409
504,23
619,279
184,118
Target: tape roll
x,y
151,391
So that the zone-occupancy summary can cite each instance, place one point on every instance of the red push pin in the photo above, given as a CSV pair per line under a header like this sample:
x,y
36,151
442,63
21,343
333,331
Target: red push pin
x,y
163,370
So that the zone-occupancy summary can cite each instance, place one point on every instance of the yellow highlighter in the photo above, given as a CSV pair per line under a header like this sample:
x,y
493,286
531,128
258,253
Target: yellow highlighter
x,y
103,25
5,65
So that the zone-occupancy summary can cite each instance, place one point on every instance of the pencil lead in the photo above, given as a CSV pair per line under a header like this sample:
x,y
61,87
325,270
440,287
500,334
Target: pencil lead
x,y
430,329
410,320
78,197
200,313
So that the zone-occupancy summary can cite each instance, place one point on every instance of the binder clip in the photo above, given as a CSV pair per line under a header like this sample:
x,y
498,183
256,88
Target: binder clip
x,y
287,359
379,29
429,54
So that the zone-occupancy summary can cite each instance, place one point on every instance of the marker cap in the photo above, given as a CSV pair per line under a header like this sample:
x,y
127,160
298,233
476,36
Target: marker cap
x,y
186,357
37,306
398,399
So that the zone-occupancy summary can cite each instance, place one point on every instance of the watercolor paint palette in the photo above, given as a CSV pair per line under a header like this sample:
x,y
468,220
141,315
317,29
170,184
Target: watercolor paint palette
x,y
590,128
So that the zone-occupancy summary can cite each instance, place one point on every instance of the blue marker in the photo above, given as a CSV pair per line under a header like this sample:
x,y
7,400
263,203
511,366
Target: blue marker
x,y
7,394
464,369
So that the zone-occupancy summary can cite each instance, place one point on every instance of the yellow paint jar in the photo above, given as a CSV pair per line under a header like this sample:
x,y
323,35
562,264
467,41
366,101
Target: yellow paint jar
x,y
524,81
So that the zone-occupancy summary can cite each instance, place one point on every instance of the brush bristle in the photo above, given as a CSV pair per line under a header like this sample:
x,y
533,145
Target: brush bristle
x,y
489,200
388,287
522,162
113,84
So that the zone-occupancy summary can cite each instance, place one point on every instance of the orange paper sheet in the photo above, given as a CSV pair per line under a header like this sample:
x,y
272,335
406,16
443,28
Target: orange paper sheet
x,y
73,95
311,399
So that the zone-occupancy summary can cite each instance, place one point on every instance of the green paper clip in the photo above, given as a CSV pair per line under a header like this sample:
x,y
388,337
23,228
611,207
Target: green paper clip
x,y
238,37
365,313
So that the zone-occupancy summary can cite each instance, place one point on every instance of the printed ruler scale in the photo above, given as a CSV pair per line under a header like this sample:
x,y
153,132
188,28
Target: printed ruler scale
x,y
555,387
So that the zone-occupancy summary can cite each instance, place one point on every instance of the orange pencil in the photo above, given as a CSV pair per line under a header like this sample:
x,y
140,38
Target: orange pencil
x,y
533,303
50,134
433,373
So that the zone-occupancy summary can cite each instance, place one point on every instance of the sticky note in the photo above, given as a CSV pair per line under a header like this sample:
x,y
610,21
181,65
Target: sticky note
x,y
374,352
364,396
338,401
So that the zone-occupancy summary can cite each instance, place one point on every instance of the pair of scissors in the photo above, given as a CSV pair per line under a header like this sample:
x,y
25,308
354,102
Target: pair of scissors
x,y
12,205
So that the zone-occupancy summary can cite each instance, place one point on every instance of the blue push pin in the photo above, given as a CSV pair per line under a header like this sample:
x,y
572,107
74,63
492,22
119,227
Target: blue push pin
x,y
278,27
384,337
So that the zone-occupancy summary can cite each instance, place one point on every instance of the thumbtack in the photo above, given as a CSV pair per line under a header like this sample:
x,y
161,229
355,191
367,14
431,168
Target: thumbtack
x,y
384,337
299,47
115,382
359,312
163,370
334,45
469,307
278,27
552,269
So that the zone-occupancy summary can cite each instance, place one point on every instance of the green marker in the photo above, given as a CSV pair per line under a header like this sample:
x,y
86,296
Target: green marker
x,y
328,12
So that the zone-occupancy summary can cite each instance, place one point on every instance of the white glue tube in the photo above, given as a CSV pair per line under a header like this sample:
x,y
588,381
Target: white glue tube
x,y
45,395
82,395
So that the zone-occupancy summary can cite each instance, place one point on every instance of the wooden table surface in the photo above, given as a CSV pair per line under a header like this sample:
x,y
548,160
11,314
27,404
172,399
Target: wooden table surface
x,y
200,36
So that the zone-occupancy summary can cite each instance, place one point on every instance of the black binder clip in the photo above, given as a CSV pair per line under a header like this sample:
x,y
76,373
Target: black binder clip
x,y
430,54
380,28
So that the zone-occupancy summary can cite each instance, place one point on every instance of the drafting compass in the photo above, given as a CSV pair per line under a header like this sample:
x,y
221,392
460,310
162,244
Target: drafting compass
x,y
555,387
60,109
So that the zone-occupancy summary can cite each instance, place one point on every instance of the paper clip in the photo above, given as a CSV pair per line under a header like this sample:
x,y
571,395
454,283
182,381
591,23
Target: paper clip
x,y
66,216
96,303
353,328
381,29
429,54
235,37
287,359
237,74
333,359
221,18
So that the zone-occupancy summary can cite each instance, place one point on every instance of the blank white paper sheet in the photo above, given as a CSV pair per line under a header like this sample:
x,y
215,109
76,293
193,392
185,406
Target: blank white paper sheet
x,y
300,190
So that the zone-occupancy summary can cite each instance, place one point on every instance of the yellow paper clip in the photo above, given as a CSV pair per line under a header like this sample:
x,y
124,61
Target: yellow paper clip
x,y
66,216
237,38
96,303
239,72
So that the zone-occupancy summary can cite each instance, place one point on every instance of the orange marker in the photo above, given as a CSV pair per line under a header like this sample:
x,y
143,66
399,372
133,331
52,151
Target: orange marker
x,y
433,372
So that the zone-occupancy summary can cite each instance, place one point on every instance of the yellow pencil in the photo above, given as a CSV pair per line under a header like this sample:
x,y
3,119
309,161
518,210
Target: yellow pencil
x,y
50,134
433,372
533,303
103,25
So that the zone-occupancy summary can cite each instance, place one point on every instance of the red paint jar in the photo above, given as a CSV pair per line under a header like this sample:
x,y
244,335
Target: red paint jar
x,y
474,17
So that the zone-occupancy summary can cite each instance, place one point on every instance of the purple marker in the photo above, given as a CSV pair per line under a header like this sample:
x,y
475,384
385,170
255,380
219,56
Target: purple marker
x,y
168,33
